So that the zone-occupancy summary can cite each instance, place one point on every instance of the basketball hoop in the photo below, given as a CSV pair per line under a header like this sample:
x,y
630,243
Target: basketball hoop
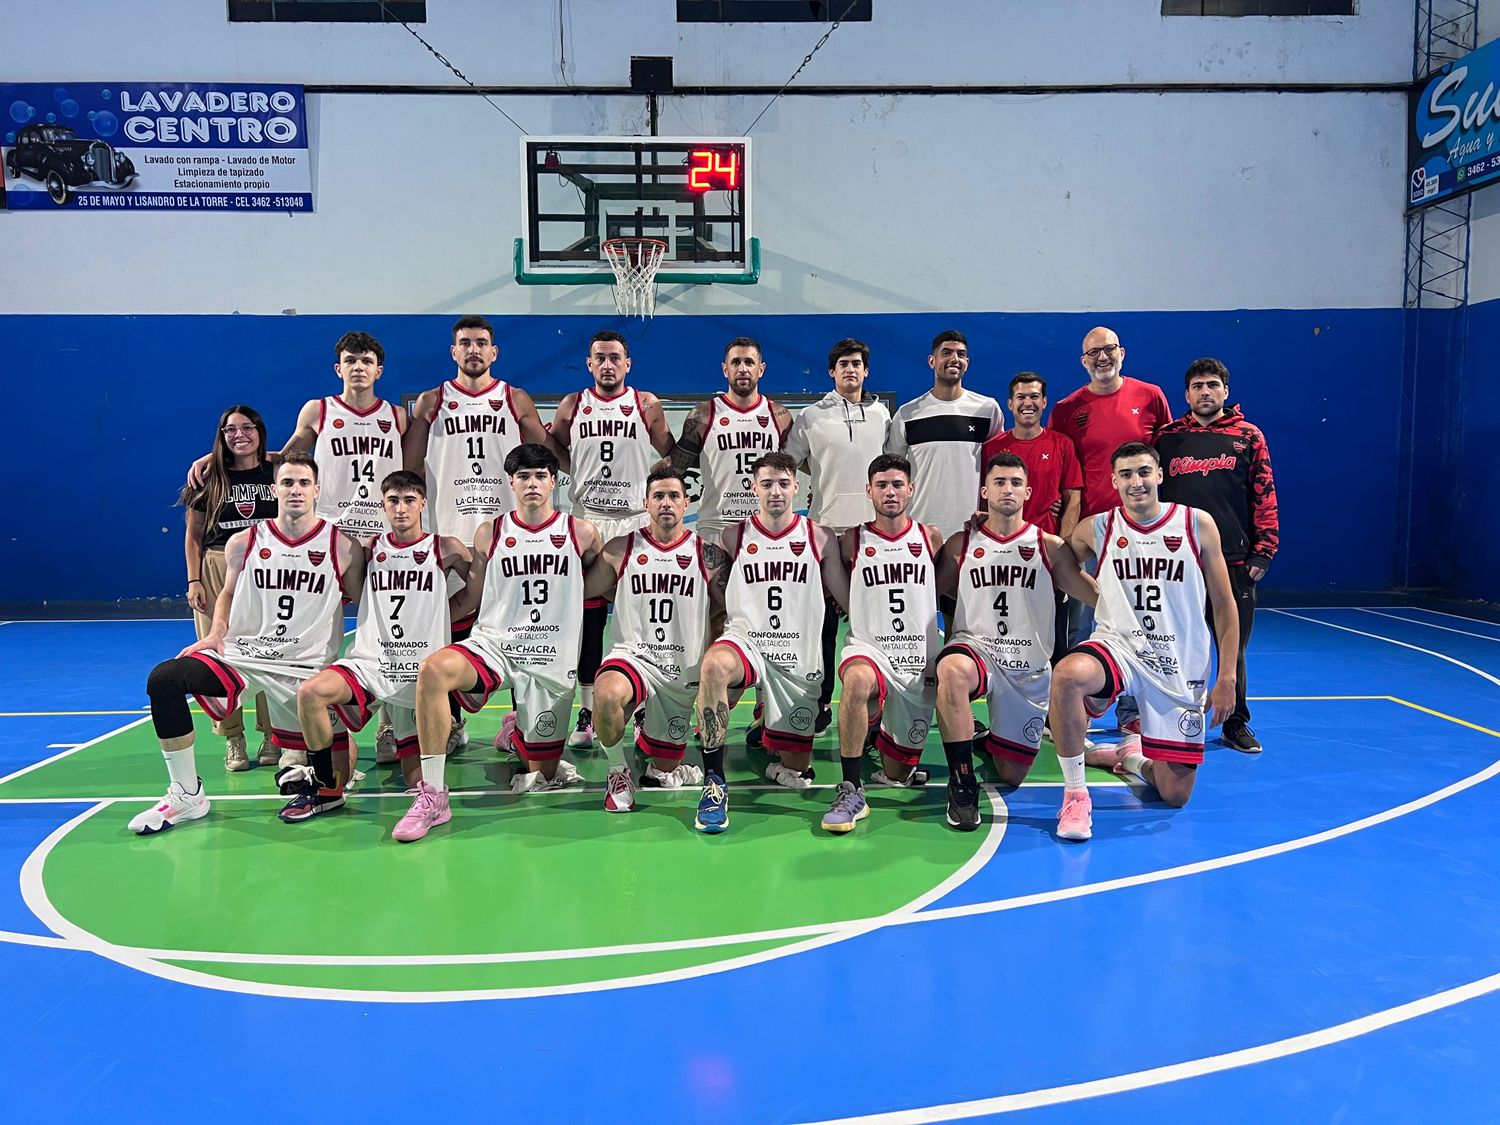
x,y
635,262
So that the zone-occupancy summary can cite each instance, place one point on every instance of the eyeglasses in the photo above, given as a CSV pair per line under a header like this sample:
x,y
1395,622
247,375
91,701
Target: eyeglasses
x,y
1107,349
230,431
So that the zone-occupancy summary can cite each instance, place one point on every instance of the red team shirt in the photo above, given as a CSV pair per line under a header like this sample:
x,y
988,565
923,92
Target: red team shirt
x,y
1051,469
1100,424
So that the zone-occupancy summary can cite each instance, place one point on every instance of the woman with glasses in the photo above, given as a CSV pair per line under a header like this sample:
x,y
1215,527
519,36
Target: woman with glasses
x,y
237,492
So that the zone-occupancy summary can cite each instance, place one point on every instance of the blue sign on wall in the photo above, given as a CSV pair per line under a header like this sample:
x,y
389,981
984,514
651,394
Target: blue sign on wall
x,y
1453,137
199,146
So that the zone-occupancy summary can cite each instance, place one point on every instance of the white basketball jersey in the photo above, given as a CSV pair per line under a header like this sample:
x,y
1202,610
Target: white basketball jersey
x,y
734,441
472,432
355,452
287,601
1005,597
532,606
662,603
775,596
611,454
893,599
1152,595
403,615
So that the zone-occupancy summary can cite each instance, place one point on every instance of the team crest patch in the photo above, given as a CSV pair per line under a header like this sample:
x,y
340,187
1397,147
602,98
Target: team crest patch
x,y
797,548
558,540
751,549
764,421
627,410
497,403
1026,552
338,423
684,561
265,552
1122,542
384,424
453,406
380,557
1240,446
1171,542
642,559
870,552
510,540
420,557
245,508
1081,419
915,549
588,409
316,557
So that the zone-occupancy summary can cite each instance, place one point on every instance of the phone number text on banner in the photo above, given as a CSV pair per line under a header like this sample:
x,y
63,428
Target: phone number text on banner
x,y
198,146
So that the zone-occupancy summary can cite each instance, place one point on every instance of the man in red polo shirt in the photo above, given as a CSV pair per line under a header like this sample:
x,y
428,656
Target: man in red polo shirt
x,y
1102,415
1051,470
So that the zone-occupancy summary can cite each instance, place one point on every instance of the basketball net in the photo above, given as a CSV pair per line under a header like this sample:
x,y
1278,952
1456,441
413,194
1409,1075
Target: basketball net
x,y
635,262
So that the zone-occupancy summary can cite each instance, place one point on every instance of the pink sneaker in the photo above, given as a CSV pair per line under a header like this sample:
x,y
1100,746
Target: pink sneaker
x,y
505,741
428,811
1075,821
619,791
1112,758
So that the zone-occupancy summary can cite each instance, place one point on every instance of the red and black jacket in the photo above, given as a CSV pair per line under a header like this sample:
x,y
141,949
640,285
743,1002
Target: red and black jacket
x,y
1225,469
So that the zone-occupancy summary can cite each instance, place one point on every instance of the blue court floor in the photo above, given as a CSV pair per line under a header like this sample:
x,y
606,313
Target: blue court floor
x,y
1315,938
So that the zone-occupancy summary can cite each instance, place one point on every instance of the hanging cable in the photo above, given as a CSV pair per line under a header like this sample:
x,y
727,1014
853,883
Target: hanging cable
x,y
806,59
393,18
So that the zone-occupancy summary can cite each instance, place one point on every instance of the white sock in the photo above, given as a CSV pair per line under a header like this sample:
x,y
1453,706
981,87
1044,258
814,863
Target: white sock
x,y
182,767
616,752
1072,772
1135,762
586,696
432,770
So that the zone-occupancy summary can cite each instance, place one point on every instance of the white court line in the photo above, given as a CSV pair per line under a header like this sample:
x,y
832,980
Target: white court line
x,y
1192,1068
33,892
11,937
24,770
1431,625
1455,616
62,745
1392,641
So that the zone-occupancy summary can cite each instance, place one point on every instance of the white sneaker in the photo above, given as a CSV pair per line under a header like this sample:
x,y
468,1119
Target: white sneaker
x,y
914,780
175,806
677,778
619,790
458,734
291,758
269,755
782,776
235,758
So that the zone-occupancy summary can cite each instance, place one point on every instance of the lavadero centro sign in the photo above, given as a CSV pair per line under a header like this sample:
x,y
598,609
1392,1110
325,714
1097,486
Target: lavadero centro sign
x,y
1453,134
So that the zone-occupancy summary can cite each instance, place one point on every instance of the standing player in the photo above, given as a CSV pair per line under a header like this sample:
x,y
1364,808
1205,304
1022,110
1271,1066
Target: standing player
x,y
606,436
278,629
529,565
723,436
774,600
460,435
665,581
1003,573
836,438
404,617
887,671
1156,565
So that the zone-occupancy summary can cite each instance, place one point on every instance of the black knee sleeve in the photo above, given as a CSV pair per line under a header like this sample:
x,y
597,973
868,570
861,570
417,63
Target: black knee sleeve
x,y
591,653
168,687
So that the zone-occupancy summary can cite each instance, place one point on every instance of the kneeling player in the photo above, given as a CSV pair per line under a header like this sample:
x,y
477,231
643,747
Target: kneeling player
x,y
1151,640
665,582
404,616
887,669
271,633
529,566
1002,573
772,638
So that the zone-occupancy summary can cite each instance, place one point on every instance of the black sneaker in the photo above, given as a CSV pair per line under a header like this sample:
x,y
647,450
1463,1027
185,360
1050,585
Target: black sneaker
x,y
755,737
981,737
583,734
824,720
1241,737
963,802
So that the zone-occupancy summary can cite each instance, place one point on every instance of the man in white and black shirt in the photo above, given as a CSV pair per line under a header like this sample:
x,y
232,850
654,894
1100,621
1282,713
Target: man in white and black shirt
x,y
941,434
836,438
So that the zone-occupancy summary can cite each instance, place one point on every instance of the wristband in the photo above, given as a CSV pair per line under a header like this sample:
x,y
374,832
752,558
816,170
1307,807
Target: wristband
x,y
197,580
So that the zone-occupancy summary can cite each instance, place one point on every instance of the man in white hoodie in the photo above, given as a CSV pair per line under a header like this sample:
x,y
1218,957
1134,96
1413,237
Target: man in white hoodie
x,y
836,438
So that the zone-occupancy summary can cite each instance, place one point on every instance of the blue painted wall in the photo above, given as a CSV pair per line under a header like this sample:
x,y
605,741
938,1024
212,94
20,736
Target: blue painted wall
x,y
105,411
1477,469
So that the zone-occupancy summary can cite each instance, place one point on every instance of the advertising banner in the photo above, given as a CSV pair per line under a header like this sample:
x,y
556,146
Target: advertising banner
x,y
1453,134
196,146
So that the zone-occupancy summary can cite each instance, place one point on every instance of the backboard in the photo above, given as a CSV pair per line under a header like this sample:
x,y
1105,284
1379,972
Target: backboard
x,y
693,193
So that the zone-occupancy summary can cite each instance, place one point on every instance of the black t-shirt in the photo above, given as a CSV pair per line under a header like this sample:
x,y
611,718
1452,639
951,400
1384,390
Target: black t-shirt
x,y
251,500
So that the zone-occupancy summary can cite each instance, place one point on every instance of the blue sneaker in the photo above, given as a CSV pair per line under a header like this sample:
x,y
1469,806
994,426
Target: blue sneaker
x,y
849,808
713,807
